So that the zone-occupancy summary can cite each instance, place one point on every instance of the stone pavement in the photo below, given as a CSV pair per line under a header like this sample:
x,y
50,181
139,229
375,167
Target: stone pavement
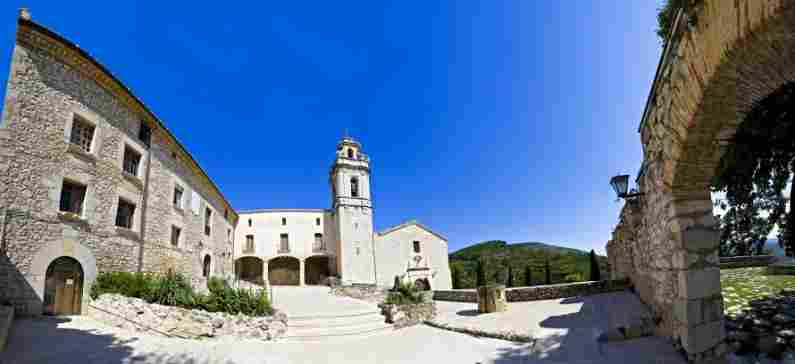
x,y
316,301
569,339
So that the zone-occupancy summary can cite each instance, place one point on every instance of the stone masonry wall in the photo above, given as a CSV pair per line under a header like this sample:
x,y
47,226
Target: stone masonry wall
x,y
722,57
535,293
44,92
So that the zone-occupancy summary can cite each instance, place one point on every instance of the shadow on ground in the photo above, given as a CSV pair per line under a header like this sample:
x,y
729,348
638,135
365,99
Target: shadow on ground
x,y
572,338
50,340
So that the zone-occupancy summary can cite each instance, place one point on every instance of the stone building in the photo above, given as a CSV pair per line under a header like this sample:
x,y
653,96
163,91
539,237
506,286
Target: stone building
x,y
93,181
304,246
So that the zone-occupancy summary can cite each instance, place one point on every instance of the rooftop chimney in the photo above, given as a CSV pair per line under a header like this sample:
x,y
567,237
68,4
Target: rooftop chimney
x,y
24,13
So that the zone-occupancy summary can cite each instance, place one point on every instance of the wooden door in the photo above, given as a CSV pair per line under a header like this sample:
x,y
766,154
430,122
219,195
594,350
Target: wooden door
x,y
65,289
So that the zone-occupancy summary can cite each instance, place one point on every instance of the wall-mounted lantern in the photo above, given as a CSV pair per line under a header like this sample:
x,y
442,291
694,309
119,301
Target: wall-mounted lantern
x,y
620,184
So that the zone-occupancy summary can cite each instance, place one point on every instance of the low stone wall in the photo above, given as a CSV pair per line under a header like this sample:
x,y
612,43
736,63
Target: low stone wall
x,y
536,293
456,295
138,315
361,292
408,315
6,319
746,261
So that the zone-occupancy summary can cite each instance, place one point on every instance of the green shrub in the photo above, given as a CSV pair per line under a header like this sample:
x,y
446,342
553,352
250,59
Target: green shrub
x,y
574,277
406,293
173,289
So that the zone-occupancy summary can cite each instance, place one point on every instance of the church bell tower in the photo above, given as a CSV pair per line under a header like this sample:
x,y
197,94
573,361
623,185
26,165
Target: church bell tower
x,y
353,210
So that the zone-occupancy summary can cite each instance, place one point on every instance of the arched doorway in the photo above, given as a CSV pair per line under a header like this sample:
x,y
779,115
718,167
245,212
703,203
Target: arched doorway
x,y
284,271
249,269
422,284
317,269
63,287
206,264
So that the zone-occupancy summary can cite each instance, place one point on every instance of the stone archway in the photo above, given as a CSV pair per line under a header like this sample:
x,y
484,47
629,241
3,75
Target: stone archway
x,y
317,269
249,269
284,271
722,59
63,287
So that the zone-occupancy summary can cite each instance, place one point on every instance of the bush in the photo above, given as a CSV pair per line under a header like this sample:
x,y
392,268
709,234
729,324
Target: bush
x,y
173,289
406,293
574,277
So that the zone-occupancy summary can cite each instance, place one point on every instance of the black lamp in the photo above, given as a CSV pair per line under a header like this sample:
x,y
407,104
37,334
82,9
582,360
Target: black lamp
x,y
620,184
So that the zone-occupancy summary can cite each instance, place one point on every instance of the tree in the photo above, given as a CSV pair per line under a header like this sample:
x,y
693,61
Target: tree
x,y
510,277
666,15
754,171
595,274
548,278
528,276
481,273
456,272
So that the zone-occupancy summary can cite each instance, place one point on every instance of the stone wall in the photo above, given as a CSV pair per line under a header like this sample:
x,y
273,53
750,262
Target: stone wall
x,y
51,82
746,261
137,315
535,293
720,60
408,315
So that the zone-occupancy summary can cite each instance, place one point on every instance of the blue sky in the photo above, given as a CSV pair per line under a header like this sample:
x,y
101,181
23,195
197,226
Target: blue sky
x,y
484,120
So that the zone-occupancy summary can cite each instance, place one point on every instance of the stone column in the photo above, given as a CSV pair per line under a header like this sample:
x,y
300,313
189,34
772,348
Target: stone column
x,y
698,309
301,272
265,272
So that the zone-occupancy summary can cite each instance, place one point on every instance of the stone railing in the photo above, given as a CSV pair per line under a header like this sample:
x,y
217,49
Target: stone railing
x,y
746,261
535,293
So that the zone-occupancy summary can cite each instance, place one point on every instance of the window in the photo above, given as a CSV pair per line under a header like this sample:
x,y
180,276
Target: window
x,y
284,221
355,187
226,214
416,246
318,242
72,196
350,153
249,222
178,196
249,244
175,233
82,134
145,134
229,235
284,243
206,266
207,218
317,221
131,161
124,214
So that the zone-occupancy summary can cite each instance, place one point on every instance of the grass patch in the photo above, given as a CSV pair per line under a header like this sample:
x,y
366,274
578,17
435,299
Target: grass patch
x,y
742,285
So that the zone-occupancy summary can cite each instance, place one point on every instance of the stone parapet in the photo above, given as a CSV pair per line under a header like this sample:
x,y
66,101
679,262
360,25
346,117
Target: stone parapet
x,y
746,261
536,293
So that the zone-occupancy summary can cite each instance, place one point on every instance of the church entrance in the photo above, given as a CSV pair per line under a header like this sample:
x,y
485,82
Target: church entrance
x,y
63,287
317,269
284,271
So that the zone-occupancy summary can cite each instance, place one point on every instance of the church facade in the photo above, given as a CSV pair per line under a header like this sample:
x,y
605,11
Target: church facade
x,y
91,181
306,246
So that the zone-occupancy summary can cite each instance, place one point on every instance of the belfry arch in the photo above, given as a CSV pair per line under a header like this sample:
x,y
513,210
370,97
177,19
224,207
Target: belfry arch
x,y
721,60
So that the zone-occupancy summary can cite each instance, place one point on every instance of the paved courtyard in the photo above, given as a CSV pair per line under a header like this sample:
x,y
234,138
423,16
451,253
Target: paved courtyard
x,y
566,331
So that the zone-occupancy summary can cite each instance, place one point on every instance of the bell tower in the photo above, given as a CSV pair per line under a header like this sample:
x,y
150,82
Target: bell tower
x,y
353,210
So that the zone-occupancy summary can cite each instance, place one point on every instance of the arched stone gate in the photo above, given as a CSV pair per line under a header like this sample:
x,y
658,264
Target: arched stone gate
x,y
723,57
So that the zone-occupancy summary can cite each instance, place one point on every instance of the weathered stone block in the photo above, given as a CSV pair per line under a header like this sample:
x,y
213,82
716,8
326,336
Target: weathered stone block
x,y
699,338
700,239
699,283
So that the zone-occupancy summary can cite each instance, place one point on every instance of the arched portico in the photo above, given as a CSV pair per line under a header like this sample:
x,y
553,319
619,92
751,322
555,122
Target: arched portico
x,y
317,269
722,59
250,269
284,271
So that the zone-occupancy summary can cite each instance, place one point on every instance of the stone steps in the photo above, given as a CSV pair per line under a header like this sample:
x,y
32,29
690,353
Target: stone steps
x,y
322,328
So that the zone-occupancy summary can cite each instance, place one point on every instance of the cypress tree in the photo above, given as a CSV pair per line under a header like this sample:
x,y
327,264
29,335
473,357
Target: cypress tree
x,y
456,276
595,274
510,277
548,279
481,273
528,276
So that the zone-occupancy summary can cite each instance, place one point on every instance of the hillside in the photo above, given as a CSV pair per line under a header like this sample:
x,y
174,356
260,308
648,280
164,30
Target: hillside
x,y
567,264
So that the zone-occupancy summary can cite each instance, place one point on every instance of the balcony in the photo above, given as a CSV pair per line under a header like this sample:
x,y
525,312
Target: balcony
x,y
283,250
